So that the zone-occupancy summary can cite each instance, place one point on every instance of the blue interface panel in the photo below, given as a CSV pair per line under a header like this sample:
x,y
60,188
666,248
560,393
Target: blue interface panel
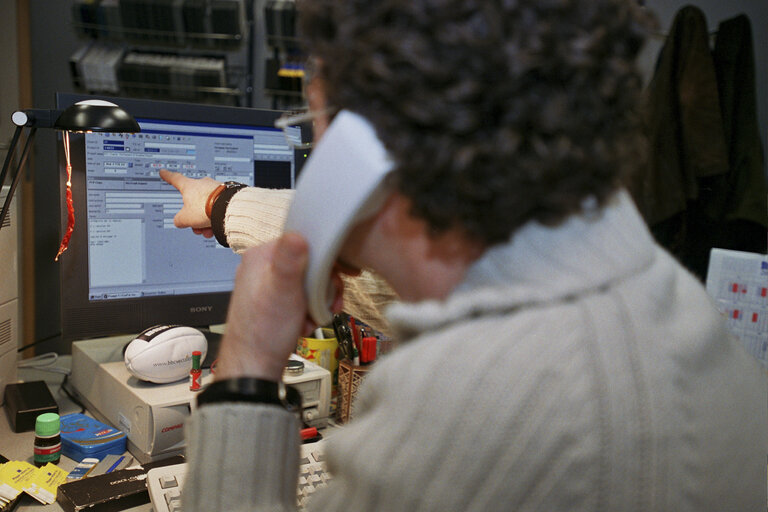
x,y
134,250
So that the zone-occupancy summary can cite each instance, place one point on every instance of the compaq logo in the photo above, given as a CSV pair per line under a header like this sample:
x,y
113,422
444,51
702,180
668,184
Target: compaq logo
x,y
200,309
172,427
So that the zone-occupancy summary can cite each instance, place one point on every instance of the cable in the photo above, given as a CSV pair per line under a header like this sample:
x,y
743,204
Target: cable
x,y
43,362
39,361
72,397
49,338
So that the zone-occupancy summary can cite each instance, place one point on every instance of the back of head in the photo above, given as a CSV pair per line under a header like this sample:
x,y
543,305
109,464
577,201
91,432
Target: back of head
x,y
496,113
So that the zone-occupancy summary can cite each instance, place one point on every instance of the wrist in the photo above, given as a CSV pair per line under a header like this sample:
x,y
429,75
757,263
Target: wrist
x,y
237,359
248,367
250,390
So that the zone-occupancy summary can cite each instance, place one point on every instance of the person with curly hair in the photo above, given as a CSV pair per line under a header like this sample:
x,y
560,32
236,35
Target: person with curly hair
x,y
551,355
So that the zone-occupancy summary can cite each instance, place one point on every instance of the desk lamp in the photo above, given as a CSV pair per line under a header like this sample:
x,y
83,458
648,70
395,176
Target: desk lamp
x,y
82,117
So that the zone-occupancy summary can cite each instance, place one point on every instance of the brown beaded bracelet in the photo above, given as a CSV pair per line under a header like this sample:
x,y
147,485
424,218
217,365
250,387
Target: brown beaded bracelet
x,y
212,199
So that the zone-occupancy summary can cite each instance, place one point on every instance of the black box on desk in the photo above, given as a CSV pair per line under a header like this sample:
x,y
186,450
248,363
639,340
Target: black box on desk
x,y
119,490
25,401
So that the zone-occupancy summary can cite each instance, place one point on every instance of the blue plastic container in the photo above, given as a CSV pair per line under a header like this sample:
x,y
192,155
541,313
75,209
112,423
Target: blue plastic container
x,y
83,436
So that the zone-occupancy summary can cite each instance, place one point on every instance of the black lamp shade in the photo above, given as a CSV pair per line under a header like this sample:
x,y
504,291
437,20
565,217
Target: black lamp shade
x,y
99,116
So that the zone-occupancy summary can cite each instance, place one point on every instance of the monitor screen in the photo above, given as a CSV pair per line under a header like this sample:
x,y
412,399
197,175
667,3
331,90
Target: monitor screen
x,y
128,267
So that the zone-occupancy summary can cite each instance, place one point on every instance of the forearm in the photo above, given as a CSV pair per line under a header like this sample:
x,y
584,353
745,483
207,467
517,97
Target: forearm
x,y
255,216
241,457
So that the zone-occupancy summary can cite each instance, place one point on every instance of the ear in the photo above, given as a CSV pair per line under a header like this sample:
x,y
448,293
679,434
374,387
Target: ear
x,y
317,103
399,224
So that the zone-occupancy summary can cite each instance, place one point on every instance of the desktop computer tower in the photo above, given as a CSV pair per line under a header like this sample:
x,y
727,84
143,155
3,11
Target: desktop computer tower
x,y
9,294
153,415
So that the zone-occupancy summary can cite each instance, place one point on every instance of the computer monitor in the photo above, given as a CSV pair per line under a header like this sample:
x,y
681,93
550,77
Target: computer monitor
x,y
127,267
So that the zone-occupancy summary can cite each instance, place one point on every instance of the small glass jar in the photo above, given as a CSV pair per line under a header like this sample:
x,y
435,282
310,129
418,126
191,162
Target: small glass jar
x,y
47,439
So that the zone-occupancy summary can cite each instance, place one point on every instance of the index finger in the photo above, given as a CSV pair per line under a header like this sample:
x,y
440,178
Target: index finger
x,y
171,177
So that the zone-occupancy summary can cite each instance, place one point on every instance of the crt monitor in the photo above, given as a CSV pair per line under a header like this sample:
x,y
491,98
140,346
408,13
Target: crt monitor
x,y
127,267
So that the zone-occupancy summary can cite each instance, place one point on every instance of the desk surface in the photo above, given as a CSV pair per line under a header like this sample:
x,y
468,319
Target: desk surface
x,y
19,446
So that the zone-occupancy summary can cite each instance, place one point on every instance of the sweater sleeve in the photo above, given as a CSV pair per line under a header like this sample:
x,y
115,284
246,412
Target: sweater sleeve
x,y
255,215
242,457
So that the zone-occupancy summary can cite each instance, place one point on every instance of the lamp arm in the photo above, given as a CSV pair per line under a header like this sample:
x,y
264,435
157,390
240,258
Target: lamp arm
x,y
33,118
19,167
36,117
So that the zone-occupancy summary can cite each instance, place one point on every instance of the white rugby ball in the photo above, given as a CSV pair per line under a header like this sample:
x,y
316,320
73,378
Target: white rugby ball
x,y
163,353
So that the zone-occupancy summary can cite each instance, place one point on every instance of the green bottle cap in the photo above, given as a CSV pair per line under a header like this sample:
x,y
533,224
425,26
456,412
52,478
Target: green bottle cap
x,y
196,359
47,424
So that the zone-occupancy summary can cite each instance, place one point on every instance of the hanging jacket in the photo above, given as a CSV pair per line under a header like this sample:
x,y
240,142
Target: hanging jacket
x,y
683,121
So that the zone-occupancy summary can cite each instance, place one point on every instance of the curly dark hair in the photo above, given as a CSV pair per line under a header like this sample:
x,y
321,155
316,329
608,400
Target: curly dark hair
x,y
496,112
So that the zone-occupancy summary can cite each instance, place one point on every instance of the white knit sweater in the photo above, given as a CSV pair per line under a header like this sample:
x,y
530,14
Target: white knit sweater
x,y
578,368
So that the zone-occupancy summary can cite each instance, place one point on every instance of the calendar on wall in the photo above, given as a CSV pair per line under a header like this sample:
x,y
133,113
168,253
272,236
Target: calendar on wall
x,y
738,282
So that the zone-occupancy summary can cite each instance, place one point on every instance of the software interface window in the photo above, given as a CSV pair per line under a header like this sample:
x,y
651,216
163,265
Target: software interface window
x,y
131,210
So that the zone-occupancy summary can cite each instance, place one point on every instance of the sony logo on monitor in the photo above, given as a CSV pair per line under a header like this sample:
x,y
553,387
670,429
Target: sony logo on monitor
x,y
200,309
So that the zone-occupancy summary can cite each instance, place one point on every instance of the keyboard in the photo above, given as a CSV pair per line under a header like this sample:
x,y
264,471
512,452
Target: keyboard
x,y
313,474
165,483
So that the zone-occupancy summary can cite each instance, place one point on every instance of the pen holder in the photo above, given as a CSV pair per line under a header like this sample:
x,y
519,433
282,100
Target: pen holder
x,y
322,351
350,378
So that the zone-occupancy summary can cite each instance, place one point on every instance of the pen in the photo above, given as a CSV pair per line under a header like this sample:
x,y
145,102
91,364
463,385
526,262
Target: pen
x,y
355,334
344,336
336,324
117,463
